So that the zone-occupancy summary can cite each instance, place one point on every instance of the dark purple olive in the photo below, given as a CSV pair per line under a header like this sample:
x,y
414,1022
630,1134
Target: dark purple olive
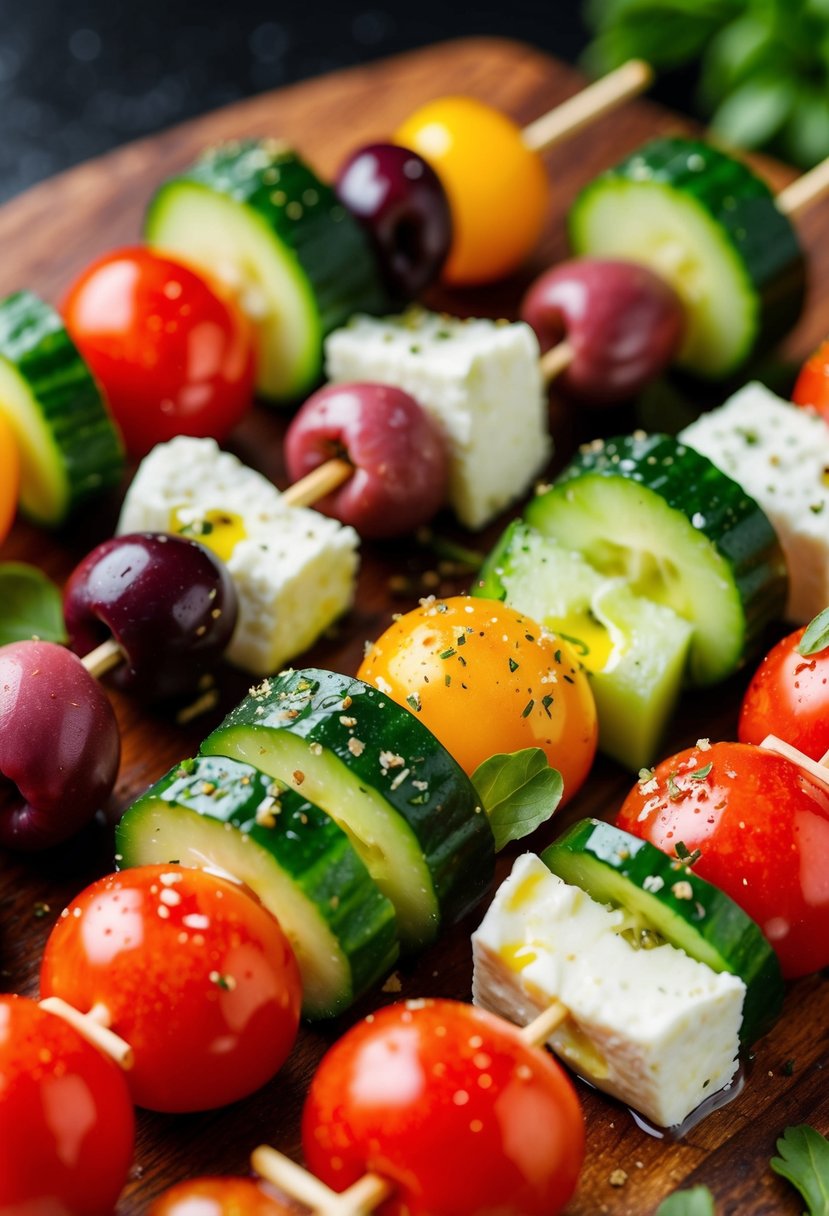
x,y
624,324
59,745
399,200
401,465
168,602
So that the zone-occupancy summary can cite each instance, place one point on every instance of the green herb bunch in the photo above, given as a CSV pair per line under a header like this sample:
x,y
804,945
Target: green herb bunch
x,y
763,64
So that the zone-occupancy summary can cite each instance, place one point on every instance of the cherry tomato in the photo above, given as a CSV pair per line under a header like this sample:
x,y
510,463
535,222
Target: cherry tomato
x,y
812,385
762,830
789,697
219,1197
486,679
498,189
172,355
9,477
195,975
448,1103
67,1127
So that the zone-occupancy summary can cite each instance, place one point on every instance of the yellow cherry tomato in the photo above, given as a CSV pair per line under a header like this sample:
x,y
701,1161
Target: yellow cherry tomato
x,y
486,679
497,188
9,477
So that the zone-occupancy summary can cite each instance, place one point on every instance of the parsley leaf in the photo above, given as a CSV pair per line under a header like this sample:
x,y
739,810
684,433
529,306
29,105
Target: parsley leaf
x,y
518,791
804,1162
816,637
698,1201
30,605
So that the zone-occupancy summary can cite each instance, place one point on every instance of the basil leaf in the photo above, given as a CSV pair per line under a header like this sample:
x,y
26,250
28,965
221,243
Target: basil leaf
x,y
518,791
754,112
30,605
804,1162
816,637
698,1201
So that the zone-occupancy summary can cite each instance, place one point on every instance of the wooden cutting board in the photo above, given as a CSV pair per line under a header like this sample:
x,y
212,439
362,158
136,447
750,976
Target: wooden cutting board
x,y
46,237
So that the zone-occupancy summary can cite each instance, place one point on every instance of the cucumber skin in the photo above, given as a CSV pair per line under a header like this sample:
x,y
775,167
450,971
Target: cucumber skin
x,y
305,842
34,340
635,860
446,818
690,483
489,584
742,205
331,250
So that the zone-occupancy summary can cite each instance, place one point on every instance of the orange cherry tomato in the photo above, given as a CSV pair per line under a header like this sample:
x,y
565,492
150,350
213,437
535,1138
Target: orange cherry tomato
x,y
498,188
486,679
9,477
812,385
220,1197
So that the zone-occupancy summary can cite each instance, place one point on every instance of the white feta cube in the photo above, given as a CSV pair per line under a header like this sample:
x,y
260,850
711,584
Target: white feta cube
x,y
479,379
294,569
779,454
653,1027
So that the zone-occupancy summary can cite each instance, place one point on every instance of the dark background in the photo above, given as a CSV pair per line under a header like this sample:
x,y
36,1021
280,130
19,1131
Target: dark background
x,y
80,76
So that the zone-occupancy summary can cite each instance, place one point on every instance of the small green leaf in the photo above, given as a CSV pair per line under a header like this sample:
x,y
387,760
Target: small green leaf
x,y
697,1201
755,111
518,791
816,637
30,605
804,1162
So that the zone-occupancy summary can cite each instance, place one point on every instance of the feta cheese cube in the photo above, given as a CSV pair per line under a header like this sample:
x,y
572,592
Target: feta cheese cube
x,y
479,379
779,454
294,569
653,1027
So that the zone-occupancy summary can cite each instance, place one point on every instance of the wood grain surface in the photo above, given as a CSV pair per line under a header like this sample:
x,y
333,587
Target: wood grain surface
x,y
46,237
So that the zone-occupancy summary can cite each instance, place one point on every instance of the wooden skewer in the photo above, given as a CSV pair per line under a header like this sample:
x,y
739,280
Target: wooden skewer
x,y
364,1196
804,190
319,482
94,1026
598,98
815,770
103,658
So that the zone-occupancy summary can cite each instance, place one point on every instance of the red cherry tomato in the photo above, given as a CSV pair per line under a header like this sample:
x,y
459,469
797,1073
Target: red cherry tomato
x,y
763,833
449,1104
67,1127
173,356
219,1197
195,975
789,697
812,385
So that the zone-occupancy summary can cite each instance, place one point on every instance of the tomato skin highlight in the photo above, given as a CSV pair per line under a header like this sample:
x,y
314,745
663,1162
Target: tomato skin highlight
x,y
448,1103
172,354
196,975
763,833
219,1197
67,1127
486,679
789,697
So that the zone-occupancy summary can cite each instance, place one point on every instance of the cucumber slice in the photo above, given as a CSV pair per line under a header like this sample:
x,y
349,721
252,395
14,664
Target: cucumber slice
x,y
408,808
710,226
220,815
680,532
70,448
633,649
664,897
254,215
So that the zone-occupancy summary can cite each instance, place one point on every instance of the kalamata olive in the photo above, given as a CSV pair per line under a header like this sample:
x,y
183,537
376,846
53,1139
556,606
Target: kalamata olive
x,y
59,745
398,198
398,452
168,602
623,322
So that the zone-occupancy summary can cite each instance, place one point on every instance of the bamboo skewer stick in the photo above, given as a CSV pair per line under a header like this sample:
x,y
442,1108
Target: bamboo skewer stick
x,y
94,1027
804,190
586,106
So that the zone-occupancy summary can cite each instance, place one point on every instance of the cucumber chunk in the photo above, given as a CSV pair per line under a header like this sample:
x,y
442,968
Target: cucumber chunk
x,y
652,511
70,448
663,896
633,649
409,810
227,817
256,216
709,226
